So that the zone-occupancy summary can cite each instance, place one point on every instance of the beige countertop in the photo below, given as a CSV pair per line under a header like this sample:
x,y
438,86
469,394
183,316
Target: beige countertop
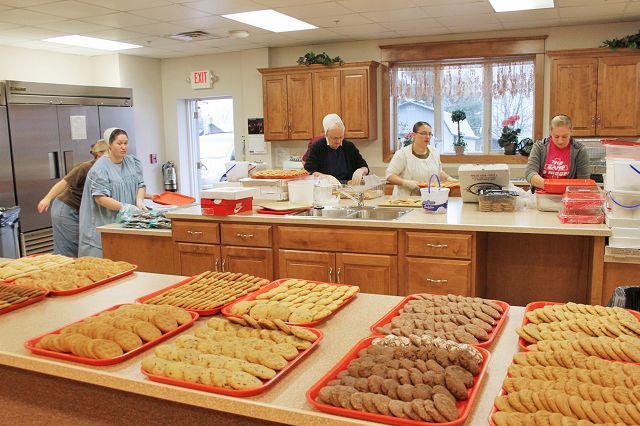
x,y
116,228
284,402
460,217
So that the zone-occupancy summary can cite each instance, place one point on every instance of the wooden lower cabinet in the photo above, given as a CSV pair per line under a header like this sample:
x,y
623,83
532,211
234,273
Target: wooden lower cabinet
x,y
437,276
248,260
617,275
150,253
376,274
306,265
193,259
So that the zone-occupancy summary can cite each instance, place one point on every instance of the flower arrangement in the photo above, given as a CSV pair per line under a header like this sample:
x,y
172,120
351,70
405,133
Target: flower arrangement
x,y
457,116
408,139
509,131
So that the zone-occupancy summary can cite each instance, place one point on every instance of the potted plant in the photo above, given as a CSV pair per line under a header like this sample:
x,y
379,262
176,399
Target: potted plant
x,y
509,137
525,146
322,58
459,144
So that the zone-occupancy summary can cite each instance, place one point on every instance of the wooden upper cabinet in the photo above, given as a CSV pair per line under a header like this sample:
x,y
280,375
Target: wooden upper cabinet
x,y
296,99
619,96
599,89
574,85
326,97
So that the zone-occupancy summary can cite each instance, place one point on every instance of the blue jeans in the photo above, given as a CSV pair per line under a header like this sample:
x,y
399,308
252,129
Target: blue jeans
x,y
65,221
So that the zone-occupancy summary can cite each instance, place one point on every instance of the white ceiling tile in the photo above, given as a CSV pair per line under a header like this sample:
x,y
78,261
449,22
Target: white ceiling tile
x,y
442,2
534,23
633,10
398,15
375,5
462,20
339,21
71,9
316,36
596,12
116,34
530,15
24,3
120,20
206,22
40,45
170,13
127,5
415,26
222,7
314,10
416,31
566,3
27,17
362,30
74,27
455,10
285,3
32,33
6,26
160,29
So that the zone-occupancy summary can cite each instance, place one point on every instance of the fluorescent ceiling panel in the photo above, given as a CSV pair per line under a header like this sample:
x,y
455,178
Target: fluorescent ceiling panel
x,y
511,5
92,42
270,20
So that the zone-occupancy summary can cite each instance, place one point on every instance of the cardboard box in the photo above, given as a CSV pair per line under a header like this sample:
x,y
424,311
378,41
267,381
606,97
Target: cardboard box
x,y
228,193
225,207
474,177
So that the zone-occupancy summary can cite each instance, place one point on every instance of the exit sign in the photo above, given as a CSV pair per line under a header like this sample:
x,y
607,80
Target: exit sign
x,y
201,79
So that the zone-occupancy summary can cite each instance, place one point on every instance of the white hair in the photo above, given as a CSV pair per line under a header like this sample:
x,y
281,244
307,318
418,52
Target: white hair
x,y
332,121
561,121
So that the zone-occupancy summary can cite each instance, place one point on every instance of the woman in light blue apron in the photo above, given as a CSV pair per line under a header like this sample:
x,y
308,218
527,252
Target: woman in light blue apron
x,y
114,184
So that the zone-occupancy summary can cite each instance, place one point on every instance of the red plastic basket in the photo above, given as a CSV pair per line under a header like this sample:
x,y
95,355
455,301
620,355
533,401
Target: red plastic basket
x,y
386,319
226,310
173,199
558,186
464,407
31,344
201,312
535,305
233,392
35,299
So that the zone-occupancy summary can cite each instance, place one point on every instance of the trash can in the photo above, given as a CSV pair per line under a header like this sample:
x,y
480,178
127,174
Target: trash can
x,y
9,221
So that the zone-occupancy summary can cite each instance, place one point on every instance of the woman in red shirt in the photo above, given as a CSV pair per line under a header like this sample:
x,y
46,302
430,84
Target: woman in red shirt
x,y
558,156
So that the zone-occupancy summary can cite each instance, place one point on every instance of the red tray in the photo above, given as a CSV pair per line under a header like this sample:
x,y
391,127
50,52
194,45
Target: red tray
x,y
279,212
535,305
558,186
234,392
31,344
173,199
26,302
96,284
394,313
201,312
226,310
464,407
301,175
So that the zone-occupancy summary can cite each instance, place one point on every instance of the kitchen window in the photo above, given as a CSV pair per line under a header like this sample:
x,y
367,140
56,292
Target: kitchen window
x,y
487,90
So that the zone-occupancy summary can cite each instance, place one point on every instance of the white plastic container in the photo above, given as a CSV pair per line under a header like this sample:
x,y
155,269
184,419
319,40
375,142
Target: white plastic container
x,y
236,170
633,243
435,199
618,232
548,202
301,191
622,149
624,204
621,175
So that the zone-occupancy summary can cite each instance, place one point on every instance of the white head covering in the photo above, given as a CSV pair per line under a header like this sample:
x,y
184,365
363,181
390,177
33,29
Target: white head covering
x,y
107,133
330,121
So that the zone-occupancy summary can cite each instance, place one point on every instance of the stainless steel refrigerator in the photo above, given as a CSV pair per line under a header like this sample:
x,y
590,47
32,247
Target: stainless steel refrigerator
x,y
51,129
7,190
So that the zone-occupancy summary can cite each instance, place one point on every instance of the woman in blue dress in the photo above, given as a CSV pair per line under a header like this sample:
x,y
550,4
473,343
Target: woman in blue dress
x,y
114,184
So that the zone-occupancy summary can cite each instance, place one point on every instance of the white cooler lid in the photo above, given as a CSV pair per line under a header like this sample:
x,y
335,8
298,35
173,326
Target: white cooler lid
x,y
229,193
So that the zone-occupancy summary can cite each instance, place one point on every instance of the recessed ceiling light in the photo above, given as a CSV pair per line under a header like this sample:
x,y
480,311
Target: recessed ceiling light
x,y
91,42
271,20
238,34
510,5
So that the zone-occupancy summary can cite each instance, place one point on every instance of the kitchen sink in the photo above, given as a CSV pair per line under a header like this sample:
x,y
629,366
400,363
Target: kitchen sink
x,y
364,213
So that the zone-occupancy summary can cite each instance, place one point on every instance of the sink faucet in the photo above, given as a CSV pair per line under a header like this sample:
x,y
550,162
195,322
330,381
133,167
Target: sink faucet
x,y
358,198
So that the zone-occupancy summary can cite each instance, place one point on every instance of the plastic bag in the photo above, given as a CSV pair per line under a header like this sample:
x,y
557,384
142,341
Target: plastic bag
x,y
9,216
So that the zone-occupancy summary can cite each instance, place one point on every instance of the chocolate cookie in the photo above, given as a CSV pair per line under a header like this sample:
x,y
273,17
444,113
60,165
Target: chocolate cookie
x,y
388,387
367,402
485,326
445,407
361,384
434,366
357,401
463,336
375,382
408,411
405,392
467,378
403,376
442,390
418,408
422,391
455,385
415,376
433,412
365,368
421,365
476,331
396,408
324,396
381,403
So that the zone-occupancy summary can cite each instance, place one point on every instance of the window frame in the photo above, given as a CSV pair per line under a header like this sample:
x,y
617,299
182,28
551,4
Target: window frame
x,y
485,49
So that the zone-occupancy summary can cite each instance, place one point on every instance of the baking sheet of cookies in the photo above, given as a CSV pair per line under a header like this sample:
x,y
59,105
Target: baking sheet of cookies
x,y
14,297
228,310
402,202
524,345
235,287
279,174
32,343
239,392
386,319
464,407
12,269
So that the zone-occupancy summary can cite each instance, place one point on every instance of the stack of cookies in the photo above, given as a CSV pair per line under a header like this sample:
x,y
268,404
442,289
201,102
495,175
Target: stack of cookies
x,y
608,333
461,319
82,272
296,301
113,333
228,355
568,387
13,269
209,290
396,377
11,295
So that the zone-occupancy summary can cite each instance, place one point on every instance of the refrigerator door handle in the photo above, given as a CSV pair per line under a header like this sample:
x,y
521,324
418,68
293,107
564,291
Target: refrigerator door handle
x,y
54,168
67,157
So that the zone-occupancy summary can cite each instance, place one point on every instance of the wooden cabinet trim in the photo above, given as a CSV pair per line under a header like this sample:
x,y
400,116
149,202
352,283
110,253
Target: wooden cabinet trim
x,y
338,240
246,235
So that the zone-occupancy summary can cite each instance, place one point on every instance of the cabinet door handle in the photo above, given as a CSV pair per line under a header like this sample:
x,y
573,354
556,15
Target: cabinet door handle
x,y
223,261
593,121
217,260
437,245
431,280
598,121
194,232
330,274
244,235
338,275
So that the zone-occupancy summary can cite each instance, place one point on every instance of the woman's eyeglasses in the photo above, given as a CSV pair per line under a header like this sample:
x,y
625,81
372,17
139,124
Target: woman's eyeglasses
x,y
425,133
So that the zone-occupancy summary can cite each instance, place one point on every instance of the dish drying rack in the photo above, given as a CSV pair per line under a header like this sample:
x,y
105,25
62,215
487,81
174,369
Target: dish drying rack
x,y
373,185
